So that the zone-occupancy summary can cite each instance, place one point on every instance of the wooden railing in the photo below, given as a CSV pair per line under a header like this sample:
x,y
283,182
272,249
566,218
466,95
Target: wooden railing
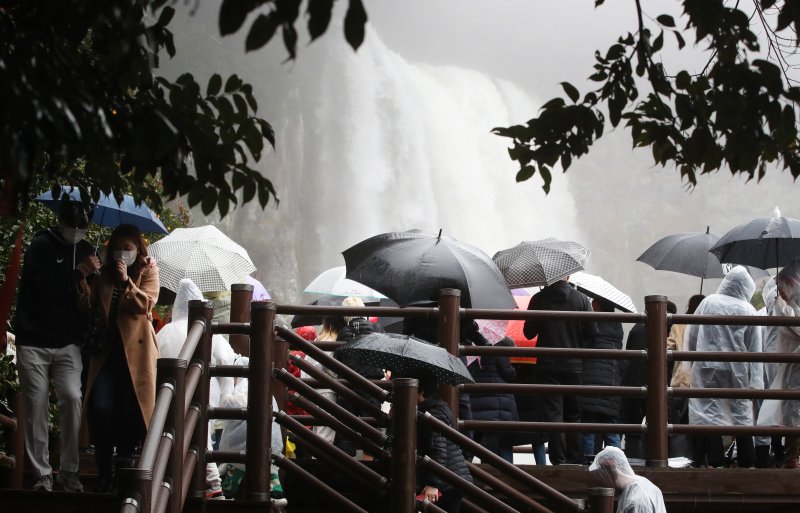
x,y
172,464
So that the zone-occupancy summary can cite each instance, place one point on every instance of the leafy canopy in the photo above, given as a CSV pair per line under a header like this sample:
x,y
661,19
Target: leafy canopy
x,y
82,102
738,113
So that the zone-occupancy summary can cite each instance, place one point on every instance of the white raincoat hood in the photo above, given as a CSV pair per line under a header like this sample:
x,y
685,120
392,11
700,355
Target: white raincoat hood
x,y
635,494
732,298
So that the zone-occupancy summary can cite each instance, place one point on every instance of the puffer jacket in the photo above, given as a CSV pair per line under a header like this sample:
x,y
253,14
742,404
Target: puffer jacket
x,y
494,369
438,448
604,372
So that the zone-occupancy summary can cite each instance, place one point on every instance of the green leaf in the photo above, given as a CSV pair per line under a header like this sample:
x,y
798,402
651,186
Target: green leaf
x,y
209,200
233,83
354,23
658,42
525,173
554,104
241,105
566,161
233,13
261,31
679,39
573,93
165,17
666,20
615,52
319,17
683,80
214,85
547,178
290,40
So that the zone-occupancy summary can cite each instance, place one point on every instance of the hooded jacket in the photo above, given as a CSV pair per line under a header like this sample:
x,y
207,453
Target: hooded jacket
x,y
604,372
47,313
785,376
494,369
732,298
438,448
560,296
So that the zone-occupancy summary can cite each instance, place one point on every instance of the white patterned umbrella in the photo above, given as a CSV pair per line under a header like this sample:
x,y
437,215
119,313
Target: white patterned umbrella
x,y
595,286
205,255
540,262
333,283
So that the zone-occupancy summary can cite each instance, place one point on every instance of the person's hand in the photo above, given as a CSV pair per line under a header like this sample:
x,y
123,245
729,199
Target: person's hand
x,y
122,271
89,265
431,493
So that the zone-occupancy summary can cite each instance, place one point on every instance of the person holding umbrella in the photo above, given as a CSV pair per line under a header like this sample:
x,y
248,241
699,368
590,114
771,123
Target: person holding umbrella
x,y
121,385
560,296
49,332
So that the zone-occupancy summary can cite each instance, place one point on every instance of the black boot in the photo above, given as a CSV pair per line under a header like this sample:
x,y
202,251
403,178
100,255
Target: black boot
x,y
106,476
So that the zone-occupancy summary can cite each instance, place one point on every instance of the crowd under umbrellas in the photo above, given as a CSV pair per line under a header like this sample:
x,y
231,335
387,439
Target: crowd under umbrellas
x,y
411,268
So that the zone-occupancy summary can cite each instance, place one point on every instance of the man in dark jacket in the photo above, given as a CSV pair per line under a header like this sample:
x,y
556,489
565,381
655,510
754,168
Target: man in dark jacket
x,y
434,445
603,408
560,296
49,332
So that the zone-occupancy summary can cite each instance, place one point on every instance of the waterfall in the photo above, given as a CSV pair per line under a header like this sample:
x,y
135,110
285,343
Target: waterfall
x,y
369,142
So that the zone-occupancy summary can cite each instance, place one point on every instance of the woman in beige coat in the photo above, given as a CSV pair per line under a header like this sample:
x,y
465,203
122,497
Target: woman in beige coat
x,y
121,384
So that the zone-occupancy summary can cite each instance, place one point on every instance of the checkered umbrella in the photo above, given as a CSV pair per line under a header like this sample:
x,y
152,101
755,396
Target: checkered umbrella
x,y
401,354
205,255
540,262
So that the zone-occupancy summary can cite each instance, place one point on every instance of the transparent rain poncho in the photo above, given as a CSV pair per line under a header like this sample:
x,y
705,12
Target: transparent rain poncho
x,y
732,298
635,494
770,333
172,336
786,375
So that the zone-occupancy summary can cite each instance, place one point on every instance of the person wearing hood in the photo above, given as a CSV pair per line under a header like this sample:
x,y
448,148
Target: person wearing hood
x,y
732,298
785,376
635,494
49,331
560,296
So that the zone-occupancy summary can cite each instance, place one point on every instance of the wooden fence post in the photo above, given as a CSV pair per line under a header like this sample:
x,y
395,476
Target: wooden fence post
x,y
657,448
449,338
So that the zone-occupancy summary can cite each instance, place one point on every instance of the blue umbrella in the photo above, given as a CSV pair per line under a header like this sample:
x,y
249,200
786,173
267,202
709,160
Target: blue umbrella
x,y
108,212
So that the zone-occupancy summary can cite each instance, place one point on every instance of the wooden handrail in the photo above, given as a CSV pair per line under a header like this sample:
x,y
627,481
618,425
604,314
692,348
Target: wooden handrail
x,y
465,486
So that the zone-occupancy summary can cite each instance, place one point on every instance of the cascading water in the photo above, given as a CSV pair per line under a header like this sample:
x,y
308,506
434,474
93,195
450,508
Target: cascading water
x,y
369,143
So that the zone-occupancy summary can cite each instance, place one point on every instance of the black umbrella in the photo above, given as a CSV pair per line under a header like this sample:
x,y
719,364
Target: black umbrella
x,y
764,242
685,253
402,353
540,262
413,266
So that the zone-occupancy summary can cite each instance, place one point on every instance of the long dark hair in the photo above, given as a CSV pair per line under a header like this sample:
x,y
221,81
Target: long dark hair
x,y
132,233
694,302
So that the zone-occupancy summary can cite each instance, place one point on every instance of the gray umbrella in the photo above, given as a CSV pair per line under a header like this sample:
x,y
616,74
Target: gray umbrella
x,y
401,354
685,253
540,262
765,242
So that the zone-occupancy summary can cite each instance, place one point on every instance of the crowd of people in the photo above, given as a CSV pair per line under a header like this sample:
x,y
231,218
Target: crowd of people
x,y
103,367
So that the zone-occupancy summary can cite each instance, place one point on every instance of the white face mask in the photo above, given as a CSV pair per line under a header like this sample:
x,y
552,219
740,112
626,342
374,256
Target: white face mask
x,y
72,235
129,257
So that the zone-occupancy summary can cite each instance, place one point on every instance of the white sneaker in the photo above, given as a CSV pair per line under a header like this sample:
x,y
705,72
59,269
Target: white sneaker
x,y
70,481
44,483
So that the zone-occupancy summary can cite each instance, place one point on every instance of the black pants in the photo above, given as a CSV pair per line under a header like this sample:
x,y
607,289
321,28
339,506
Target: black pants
x,y
633,410
562,447
115,419
450,500
710,449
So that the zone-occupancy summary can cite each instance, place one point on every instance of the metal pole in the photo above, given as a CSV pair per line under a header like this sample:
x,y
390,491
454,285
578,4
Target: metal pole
x,y
601,500
241,296
202,355
656,310
174,370
259,400
449,335
404,445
